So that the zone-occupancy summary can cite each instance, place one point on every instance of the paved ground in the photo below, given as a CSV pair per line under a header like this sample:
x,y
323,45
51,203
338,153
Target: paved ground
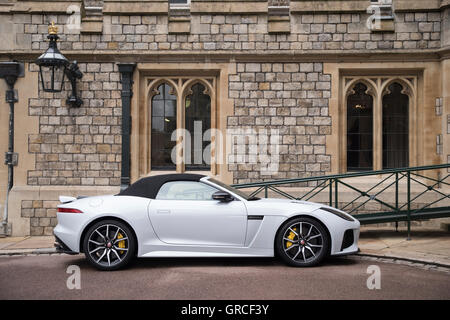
x,y
25,244
427,245
45,277
431,246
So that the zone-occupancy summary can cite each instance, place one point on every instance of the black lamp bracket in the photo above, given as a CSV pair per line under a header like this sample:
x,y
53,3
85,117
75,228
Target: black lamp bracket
x,y
73,73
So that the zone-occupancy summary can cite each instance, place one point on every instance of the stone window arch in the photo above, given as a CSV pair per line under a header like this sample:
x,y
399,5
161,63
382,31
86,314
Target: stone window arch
x,y
174,104
394,122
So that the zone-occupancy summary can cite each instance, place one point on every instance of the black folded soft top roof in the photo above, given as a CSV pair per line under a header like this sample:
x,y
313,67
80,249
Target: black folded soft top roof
x,y
148,187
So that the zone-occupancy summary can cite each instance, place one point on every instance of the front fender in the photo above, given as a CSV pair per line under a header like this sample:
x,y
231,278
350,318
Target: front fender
x,y
335,225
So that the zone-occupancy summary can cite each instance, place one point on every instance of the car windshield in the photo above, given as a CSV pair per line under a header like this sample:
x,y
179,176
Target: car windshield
x,y
233,190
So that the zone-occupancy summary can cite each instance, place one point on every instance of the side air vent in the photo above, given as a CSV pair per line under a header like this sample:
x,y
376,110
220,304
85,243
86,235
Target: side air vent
x,y
348,239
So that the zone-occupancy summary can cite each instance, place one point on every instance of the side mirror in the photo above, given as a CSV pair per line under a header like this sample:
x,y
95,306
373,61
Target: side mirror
x,y
222,196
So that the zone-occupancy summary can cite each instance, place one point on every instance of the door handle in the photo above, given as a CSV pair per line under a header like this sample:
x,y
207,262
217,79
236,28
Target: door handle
x,y
163,211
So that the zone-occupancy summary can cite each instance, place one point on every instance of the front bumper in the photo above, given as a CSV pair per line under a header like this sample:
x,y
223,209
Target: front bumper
x,y
347,252
347,242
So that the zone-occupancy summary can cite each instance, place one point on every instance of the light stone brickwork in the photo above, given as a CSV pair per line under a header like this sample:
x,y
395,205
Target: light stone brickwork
x,y
42,215
419,30
281,81
290,97
79,146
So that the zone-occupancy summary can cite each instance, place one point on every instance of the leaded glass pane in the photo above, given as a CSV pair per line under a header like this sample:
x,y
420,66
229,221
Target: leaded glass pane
x,y
395,128
197,122
163,117
359,129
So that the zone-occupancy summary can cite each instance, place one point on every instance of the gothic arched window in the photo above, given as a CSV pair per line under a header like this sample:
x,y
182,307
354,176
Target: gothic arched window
x,y
163,123
395,127
198,122
359,129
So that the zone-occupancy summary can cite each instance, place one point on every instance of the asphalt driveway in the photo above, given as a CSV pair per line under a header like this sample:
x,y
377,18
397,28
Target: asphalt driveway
x,y
46,277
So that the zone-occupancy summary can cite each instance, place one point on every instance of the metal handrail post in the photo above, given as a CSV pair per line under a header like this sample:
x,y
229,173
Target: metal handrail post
x,y
396,198
409,204
336,193
331,192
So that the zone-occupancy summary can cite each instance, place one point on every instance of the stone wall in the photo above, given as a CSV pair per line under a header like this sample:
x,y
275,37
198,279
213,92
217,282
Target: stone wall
x,y
79,146
290,97
82,146
419,30
42,215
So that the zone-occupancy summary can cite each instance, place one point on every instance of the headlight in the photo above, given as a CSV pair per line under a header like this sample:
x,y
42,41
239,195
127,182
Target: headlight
x,y
339,214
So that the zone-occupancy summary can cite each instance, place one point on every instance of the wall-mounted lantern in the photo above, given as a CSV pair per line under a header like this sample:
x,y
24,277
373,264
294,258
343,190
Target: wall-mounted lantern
x,y
53,66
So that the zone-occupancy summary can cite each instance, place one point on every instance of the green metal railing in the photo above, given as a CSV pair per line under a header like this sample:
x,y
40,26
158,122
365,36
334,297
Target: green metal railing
x,y
398,209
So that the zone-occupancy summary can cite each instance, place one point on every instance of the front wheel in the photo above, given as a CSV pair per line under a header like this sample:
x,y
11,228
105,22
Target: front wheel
x,y
109,245
302,242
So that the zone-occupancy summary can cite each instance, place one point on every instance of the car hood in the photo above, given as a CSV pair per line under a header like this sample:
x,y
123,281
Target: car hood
x,y
281,206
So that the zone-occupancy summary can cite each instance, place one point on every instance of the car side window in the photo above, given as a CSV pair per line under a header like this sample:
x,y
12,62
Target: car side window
x,y
185,190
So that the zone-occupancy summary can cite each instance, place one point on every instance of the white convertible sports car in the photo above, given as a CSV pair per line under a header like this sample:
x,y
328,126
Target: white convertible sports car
x,y
190,215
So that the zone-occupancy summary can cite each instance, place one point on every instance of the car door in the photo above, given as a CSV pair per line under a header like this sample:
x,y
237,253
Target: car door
x,y
185,213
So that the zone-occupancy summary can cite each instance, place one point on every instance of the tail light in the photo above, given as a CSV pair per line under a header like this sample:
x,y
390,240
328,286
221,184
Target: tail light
x,y
69,210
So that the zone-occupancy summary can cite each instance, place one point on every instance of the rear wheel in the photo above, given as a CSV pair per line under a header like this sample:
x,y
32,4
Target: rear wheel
x,y
302,242
109,245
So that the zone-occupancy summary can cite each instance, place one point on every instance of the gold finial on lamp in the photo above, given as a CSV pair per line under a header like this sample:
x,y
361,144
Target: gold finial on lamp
x,y
52,29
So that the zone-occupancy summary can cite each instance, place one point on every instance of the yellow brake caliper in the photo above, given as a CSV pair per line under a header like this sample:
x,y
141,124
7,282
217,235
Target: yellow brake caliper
x,y
121,244
291,237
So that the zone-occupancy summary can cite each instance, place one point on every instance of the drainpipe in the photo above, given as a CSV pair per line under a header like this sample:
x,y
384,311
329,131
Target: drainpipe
x,y
10,71
126,71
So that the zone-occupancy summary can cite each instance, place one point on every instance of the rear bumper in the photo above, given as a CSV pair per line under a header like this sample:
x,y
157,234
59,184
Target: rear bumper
x,y
61,247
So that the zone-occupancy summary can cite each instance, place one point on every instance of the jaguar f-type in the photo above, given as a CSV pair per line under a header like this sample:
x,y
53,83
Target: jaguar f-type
x,y
191,215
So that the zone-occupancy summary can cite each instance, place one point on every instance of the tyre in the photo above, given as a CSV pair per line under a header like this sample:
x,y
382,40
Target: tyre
x,y
302,242
109,245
